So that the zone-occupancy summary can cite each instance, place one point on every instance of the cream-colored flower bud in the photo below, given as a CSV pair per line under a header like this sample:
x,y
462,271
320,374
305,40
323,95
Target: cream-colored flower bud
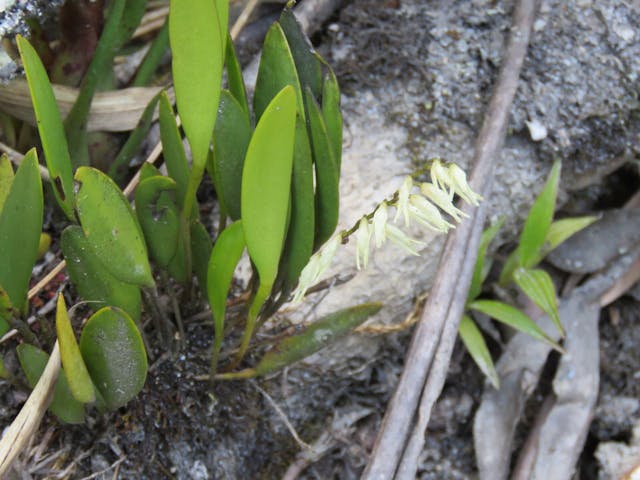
x,y
442,200
461,187
363,239
403,200
380,219
427,214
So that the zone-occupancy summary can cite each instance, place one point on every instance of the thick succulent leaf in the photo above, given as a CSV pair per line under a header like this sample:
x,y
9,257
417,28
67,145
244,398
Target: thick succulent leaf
x,y
20,228
477,348
50,127
514,318
113,351
197,50
332,114
538,221
479,269
5,312
300,235
231,137
200,253
317,336
92,280
159,217
111,227
266,184
234,78
561,230
327,174
277,70
63,405
178,266
172,148
6,178
78,376
224,259
147,171
307,64
538,286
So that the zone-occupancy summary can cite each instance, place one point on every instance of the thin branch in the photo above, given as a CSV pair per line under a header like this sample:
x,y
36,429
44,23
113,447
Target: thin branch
x,y
428,358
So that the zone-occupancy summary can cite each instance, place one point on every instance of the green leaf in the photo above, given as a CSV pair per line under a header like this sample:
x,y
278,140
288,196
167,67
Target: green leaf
x,y
317,336
277,70
6,310
300,235
266,184
79,380
4,373
93,282
231,137
477,348
506,275
178,266
561,230
159,217
200,253
234,77
540,216
478,270
197,48
147,171
52,136
20,228
538,286
332,114
6,178
327,174
307,64
111,227
224,259
514,318
113,351
173,151
63,405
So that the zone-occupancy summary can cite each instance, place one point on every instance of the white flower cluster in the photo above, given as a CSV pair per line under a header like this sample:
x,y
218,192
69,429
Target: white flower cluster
x,y
424,208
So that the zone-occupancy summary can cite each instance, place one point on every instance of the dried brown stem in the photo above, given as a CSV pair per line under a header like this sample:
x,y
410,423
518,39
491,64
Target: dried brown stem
x,y
428,358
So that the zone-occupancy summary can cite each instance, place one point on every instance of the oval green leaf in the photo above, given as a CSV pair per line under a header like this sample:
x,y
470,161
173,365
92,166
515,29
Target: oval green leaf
x,y
172,148
63,404
93,282
538,286
332,114
79,380
6,178
234,77
113,351
20,228
266,184
111,227
477,348
50,127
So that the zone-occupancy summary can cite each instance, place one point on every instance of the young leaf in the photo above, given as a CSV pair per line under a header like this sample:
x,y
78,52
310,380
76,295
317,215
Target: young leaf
x,y
200,253
224,259
327,174
63,405
78,377
538,286
477,348
113,351
332,114
479,269
231,137
173,151
111,227
234,78
52,136
514,318
561,230
277,70
197,48
93,281
159,217
266,184
538,221
20,228
506,275
6,178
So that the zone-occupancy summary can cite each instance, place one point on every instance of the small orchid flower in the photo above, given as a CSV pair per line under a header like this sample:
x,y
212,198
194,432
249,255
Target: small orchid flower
x,y
442,200
380,218
403,200
441,176
399,238
427,214
317,265
363,239
461,187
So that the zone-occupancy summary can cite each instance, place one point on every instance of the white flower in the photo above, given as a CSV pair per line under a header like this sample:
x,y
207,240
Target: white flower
x,y
363,239
399,238
380,218
403,200
442,200
461,187
440,176
318,263
427,214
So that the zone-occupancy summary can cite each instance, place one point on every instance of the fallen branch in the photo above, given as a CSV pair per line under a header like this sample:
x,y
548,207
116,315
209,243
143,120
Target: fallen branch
x,y
427,362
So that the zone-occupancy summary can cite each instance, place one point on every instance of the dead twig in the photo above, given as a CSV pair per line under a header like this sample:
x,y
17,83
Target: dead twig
x,y
430,351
